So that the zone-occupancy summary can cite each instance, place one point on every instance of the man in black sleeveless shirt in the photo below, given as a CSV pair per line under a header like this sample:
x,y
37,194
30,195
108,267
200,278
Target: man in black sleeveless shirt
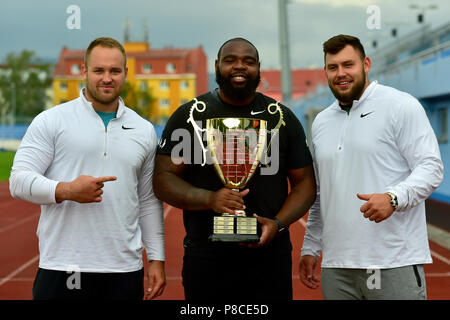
x,y
183,178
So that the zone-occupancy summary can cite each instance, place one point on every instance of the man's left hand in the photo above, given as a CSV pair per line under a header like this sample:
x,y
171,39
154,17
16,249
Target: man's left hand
x,y
378,206
156,279
269,229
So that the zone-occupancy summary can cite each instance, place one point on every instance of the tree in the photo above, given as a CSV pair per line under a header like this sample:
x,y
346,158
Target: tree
x,y
140,100
23,84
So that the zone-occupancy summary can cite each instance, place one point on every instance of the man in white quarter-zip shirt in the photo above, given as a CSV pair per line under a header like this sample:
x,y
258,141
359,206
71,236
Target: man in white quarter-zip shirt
x,y
376,159
89,164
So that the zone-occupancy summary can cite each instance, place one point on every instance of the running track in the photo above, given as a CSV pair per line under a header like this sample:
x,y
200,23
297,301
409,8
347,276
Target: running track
x,y
19,256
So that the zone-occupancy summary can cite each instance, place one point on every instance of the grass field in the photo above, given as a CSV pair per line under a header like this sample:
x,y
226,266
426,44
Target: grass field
x,y
6,161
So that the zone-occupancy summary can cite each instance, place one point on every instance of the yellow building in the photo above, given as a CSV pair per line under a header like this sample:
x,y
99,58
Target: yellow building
x,y
158,82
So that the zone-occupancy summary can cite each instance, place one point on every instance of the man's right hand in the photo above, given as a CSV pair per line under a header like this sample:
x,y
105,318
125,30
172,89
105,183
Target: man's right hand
x,y
307,267
83,189
227,200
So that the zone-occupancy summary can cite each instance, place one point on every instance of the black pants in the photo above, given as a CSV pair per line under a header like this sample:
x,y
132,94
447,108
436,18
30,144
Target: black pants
x,y
260,276
61,285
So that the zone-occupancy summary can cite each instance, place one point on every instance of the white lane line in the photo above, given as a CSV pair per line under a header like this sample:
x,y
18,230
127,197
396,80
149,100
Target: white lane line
x,y
18,223
167,211
437,275
302,222
7,204
19,270
438,256
19,279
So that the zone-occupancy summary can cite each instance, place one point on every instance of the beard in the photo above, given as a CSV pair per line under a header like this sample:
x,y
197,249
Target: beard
x,y
95,93
354,94
237,93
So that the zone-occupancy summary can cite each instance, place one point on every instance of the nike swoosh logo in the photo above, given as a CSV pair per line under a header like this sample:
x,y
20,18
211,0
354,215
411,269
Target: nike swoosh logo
x,y
126,128
256,112
366,114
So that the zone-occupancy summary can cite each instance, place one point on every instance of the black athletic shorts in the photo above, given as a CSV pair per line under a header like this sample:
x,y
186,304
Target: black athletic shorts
x,y
62,285
232,276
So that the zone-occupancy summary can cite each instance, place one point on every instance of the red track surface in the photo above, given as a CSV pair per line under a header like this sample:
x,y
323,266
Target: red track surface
x,y
19,254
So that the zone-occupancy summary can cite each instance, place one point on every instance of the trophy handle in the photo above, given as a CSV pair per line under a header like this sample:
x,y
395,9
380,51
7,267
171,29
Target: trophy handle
x,y
197,129
277,127
210,139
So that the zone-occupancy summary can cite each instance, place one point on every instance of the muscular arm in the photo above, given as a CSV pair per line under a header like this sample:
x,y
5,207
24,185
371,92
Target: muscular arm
x,y
298,202
170,187
301,197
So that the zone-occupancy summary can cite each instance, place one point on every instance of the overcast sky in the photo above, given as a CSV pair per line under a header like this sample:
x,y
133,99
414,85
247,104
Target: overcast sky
x,y
40,25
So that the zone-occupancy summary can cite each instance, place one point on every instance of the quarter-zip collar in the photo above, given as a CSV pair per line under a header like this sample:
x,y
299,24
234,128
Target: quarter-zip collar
x,y
89,106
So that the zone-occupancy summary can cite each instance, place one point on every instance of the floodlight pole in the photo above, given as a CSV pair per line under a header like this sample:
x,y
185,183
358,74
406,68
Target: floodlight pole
x,y
286,87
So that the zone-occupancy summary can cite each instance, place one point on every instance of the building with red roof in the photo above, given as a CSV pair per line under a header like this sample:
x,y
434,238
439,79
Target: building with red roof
x,y
158,81
303,81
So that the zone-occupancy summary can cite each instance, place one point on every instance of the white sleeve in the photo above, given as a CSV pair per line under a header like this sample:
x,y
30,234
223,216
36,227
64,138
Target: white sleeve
x,y
151,219
418,145
312,241
33,157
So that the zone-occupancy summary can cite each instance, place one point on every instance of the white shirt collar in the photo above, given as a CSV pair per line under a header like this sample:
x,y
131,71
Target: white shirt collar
x,y
88,104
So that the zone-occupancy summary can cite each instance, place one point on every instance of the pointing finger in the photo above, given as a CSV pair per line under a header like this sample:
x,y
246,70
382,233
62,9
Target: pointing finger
x,y
105,179
363,196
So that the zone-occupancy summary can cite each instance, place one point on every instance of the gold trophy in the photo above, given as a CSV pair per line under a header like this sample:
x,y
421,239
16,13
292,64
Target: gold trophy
x,y
236,146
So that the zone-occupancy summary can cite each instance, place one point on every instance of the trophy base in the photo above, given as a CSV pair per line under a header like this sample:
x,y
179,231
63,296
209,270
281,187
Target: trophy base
x,y
235,229
250,238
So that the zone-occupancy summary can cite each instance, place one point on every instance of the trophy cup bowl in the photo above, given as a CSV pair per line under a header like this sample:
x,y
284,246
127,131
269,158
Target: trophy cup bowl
x,y
236,146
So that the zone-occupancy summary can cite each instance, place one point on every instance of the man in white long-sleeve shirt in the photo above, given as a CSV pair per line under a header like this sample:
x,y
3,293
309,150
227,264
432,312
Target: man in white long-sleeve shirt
x,y
89,164
376,159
